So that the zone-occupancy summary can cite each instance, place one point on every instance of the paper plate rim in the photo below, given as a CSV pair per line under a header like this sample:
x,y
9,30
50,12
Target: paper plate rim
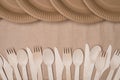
x,y
40,14
99,11
77,17
15,17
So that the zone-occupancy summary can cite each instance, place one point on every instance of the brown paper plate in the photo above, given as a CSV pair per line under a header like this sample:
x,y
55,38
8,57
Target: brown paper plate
x,y
41,9
106,9
75,10
9,10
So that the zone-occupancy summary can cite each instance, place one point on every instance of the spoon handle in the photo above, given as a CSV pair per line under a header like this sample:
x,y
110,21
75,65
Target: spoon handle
x,y
40,77
76,73
24,73
17,74
110,75
68,73
50,73
3,74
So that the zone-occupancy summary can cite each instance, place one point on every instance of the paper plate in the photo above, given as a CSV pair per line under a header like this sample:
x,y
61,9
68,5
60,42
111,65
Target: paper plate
x,y
9,10
41,9
75,10
107,9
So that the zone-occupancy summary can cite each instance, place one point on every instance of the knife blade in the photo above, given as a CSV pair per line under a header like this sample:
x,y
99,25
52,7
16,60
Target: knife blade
x,y
58,64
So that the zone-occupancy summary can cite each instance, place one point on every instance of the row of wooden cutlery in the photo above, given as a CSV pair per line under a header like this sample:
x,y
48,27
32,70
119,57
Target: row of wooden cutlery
x,y
101,61
91,58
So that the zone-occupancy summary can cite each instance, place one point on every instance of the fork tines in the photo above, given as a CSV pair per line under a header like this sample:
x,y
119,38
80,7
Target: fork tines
x,y
37,49
117,52
103,54
67,50
12,50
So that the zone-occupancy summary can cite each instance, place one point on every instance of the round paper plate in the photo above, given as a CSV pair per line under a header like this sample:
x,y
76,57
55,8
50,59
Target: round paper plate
x,y
9,10
75,10
41,9
106,9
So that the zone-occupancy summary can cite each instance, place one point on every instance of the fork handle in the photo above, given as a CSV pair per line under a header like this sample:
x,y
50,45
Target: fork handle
x,y
76,77
97,75
110,75
17,73
50,73
24,73
40,77
68,73
3,74
59,77
8,70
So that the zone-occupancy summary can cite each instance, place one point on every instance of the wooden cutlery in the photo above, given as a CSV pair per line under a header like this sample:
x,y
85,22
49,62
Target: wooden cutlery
x,y
23,60
67,61
77,61
13,61
93,58
1,70
108,57
58,65
114,64
48,58
32,64
8,69
117,75
37,56
99,65
90,59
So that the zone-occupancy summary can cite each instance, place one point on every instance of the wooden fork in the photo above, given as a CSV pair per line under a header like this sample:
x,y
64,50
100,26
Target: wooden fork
x,y
114,64
37,54
99,65
67,61
13,61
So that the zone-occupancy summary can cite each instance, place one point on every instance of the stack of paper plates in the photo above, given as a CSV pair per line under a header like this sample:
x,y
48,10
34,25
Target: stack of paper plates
x,y
75,10
82,11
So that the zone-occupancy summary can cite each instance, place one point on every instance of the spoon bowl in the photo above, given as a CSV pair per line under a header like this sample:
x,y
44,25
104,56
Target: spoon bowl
x,y
22,57
94,53
77,61
23,60
77,57
48,56
48,59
